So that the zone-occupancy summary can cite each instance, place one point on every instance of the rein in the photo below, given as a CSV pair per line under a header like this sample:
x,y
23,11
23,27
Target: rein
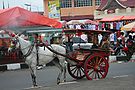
x,y
29,51
60,53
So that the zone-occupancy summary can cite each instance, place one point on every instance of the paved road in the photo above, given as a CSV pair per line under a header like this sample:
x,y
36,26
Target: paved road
x,y
119,83
119,75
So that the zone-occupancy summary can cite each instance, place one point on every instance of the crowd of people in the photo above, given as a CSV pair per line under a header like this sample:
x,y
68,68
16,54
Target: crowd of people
x,y
123,39
81,26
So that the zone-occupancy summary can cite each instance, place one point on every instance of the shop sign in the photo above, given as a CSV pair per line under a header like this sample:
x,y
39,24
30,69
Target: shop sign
x,y
54,8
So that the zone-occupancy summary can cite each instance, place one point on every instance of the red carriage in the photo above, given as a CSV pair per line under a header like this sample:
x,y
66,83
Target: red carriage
x,y
92,63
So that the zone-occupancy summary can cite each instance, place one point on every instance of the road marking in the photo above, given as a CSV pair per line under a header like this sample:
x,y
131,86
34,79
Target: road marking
x,y
68,82
120,76
32,87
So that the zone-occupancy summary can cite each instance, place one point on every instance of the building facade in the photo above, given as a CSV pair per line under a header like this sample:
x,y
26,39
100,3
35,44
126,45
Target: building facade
x,y
110,8
70,9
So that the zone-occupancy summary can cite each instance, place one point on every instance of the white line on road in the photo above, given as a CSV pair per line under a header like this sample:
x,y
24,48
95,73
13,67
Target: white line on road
x,y
68,82
120,76
32,87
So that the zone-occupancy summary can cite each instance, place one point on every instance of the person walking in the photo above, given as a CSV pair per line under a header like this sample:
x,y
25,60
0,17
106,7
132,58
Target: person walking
x,y
37,41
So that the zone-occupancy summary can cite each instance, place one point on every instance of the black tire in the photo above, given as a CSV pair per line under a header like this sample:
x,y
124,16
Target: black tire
x,y
76,71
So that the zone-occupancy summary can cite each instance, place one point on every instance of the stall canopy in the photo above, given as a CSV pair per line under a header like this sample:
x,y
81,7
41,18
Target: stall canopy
x,y
117,18
86,21
19,17
128,18
109,19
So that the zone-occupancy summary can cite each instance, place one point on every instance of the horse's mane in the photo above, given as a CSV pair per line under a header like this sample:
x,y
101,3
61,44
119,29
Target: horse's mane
x,y
27,41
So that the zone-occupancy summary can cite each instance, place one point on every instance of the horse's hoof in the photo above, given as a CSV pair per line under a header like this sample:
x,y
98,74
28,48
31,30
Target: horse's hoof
x,y
39,67
35,85
58,83
63,81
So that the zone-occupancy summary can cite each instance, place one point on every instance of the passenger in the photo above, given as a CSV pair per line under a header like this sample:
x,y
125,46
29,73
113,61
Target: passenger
x,y
104,44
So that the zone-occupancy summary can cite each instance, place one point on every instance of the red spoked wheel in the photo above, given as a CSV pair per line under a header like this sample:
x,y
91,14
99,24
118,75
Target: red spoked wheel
x,y
96,67
76,71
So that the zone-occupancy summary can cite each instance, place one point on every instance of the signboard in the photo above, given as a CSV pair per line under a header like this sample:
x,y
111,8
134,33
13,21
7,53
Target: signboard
x,y
54,8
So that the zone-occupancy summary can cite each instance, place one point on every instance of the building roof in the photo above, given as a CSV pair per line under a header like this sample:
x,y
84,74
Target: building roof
x,y
102,5
128,3
122,3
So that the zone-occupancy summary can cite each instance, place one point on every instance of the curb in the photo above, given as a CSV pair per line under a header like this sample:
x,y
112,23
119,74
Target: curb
x,y
15,66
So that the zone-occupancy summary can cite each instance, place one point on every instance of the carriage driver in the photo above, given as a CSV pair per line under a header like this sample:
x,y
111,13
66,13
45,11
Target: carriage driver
x,y
68,41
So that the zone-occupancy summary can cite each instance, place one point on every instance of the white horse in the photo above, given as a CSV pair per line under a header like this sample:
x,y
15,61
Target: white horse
x,y
45,56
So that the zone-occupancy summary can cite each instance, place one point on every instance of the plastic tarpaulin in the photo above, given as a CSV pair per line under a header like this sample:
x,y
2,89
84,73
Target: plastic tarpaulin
x,y
117,18
87,21
109,19
128,18
19,17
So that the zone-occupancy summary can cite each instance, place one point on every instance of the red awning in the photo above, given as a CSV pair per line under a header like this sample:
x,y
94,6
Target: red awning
x,y
19,17
114,18
128,18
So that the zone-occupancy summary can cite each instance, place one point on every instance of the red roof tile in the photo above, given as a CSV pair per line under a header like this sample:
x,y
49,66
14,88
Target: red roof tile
x,y
128,3
103,3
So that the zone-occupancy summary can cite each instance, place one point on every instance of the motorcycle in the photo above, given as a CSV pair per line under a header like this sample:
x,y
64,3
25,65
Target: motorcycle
x,y
126,50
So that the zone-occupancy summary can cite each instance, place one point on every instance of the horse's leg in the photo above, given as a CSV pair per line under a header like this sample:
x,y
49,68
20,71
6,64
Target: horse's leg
x,y
57,64
33,75
64,78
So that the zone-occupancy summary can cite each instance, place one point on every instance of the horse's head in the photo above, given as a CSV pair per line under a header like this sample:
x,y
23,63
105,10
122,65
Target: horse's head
x,y
14,45
14,42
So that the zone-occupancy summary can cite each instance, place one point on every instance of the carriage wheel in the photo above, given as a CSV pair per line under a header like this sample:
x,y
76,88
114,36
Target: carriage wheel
x,y
76,71
96,67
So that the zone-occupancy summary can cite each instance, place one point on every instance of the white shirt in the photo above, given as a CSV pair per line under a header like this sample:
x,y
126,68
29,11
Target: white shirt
x,y
99,38
84,37
112,37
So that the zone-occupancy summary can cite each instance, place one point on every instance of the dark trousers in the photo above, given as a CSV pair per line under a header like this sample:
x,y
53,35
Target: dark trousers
x,y
69,46
37,55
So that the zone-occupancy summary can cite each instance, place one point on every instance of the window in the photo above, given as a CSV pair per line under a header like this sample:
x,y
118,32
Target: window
x,y
81,3
97,2
66,3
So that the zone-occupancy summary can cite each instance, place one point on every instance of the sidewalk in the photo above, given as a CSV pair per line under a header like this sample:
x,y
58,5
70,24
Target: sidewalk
x,y
14,66
17,66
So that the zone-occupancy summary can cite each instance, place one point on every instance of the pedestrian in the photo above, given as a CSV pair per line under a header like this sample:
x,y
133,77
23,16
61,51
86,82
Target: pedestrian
x,y
37,41
122,38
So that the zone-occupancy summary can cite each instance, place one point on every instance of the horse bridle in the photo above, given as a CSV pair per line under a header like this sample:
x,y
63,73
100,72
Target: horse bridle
x,y
30,47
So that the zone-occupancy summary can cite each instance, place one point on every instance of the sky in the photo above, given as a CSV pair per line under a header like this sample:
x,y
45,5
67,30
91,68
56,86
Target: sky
x,y
36,5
